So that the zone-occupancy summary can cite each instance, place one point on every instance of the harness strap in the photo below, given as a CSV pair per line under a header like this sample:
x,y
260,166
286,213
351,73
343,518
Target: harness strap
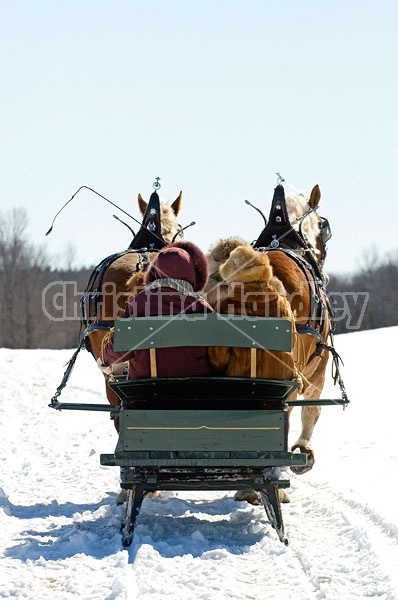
x,y
315,285
307,329
69,368
321,345
98,326
335,369
91,297
330,311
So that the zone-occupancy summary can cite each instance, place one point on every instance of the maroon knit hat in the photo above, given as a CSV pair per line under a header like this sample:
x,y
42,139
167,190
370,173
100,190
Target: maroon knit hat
x,y
181,260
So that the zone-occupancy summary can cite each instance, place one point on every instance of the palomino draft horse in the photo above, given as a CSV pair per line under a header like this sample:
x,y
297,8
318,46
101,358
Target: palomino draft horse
x,y
294,242
117,276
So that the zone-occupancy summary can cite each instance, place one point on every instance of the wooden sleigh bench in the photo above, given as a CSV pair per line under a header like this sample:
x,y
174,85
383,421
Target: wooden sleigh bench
x,y
202,433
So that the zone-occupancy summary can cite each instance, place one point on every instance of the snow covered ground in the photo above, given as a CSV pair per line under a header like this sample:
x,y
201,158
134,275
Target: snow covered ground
x,y
59,522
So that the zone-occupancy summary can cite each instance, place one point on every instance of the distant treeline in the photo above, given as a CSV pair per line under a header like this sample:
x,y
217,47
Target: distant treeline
x,y
34,298
367,299
40,306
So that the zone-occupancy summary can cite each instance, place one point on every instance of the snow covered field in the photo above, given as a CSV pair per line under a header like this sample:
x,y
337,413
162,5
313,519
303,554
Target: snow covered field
x,y
60,525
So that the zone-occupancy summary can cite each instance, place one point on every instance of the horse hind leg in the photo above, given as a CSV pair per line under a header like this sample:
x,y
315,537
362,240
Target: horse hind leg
x,y
310,414
309,417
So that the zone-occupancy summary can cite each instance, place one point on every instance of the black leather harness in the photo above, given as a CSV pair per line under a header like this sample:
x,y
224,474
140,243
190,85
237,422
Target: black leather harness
x,y
148,239
279,234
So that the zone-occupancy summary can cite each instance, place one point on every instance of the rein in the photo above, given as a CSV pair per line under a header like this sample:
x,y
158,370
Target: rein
x,y
150,238
85,187
91,299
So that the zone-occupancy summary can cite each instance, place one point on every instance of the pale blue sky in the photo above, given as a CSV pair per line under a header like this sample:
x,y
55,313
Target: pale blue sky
x,y
214,97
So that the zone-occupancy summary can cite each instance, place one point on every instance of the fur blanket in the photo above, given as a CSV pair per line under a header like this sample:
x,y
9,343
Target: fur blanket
x,y
216,288
248,286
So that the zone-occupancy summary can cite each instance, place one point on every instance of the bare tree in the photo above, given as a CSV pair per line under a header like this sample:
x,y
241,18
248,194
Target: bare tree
x,y
21,269
378,278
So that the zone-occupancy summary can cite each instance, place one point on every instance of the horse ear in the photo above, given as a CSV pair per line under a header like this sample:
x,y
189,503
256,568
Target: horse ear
x,y
176,206
315,197
142,204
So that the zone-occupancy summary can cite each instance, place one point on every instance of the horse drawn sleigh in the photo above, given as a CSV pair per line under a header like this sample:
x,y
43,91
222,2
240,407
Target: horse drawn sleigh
x,y
227,430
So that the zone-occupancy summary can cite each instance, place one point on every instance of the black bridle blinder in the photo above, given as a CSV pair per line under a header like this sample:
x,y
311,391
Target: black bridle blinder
x,y
150,235
280,234
278,231
325,234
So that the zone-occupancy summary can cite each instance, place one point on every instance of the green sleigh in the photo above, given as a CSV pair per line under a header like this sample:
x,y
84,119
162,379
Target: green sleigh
x,y
202,433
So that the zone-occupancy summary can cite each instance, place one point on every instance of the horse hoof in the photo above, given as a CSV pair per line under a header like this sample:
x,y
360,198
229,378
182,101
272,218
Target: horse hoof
x,y
253,497
250,496
284,497
301,469
151,494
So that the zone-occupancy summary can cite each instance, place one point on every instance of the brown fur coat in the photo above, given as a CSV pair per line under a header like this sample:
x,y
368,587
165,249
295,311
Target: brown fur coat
x,y
216,289
252,290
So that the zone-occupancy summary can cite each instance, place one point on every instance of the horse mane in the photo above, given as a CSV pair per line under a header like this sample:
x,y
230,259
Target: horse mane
x,y
297,205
